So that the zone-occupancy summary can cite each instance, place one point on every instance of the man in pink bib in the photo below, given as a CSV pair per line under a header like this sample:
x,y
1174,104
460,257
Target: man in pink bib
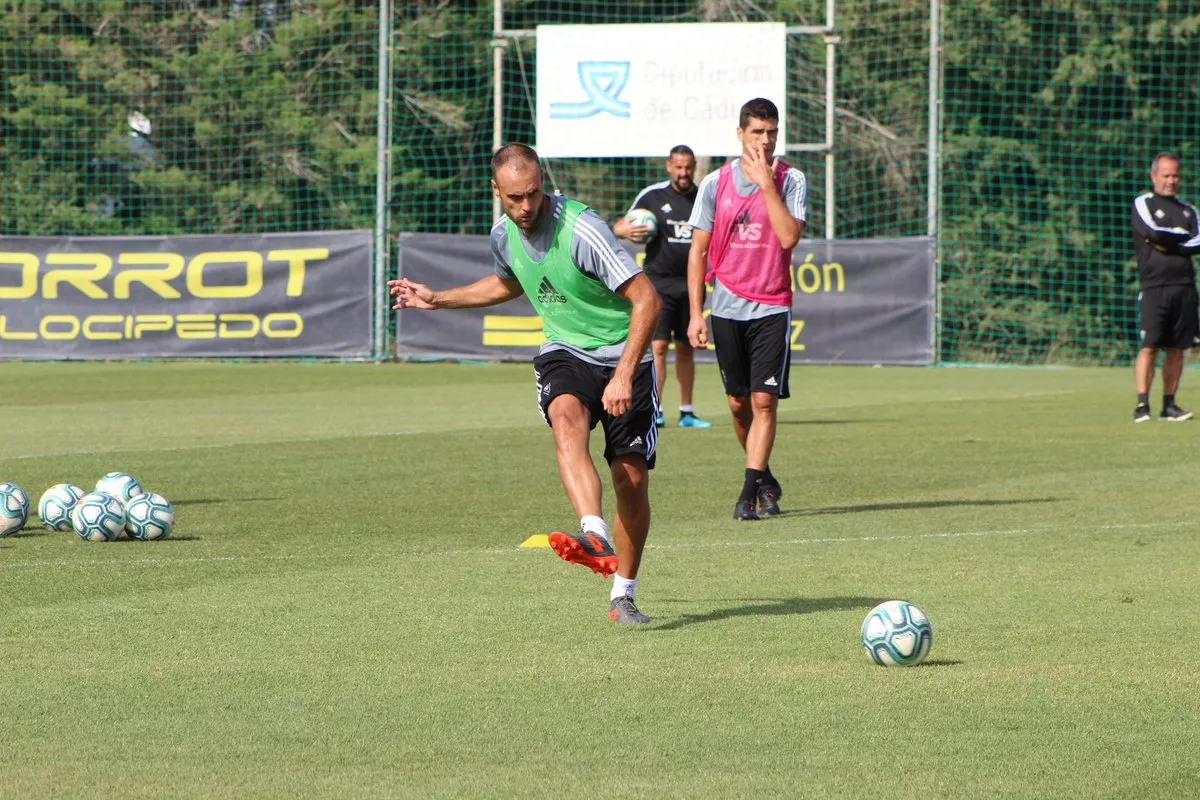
x,y
748,216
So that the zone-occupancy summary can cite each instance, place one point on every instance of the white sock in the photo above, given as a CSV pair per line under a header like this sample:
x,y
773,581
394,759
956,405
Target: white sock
x,y
622,586
686,409
590,523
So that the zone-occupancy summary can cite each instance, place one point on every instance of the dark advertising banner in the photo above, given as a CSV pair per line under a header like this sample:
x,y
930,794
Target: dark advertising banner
x,y
288,294
865,301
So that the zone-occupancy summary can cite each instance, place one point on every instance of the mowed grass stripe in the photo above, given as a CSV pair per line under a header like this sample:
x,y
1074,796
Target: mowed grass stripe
x,y
344,616
324,555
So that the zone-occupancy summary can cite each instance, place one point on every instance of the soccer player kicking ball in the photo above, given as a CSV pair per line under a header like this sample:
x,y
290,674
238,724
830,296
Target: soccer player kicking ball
x,y
598,312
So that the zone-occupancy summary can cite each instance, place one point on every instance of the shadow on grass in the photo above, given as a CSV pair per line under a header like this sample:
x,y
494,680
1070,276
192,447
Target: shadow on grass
x,y
902,506
206,501
792,605
828,421
940,662
168,540
30,530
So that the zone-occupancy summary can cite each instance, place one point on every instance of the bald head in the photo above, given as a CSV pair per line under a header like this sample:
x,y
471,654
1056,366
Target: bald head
x,y
517,157
517,181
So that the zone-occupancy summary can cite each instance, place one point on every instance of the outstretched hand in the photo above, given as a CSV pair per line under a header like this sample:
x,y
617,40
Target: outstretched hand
x,y
410,294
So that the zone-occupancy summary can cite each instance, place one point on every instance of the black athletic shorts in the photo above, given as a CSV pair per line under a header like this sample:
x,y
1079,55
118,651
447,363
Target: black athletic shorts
x,y
755,355
1167,317
676,311
560,372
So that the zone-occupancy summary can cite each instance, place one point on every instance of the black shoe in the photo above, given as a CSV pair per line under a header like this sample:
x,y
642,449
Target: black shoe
x,y
768,500
745,510
1141,413
623,610
1171,413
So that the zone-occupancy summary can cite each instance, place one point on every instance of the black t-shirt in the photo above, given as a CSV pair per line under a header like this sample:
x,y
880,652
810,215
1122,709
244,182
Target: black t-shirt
x,y
667,252
1165,234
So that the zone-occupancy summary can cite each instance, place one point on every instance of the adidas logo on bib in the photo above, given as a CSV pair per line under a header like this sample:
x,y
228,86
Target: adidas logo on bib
x,y
546,293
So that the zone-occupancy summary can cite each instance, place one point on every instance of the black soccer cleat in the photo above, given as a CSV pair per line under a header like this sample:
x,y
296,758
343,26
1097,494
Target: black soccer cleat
x,y
745,510
768,500
1172,413
1141,413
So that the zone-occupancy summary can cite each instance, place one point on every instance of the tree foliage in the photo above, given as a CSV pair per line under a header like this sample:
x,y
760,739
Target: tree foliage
x,y
262,117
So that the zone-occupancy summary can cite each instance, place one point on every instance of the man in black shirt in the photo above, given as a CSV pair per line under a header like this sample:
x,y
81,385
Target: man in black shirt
x,y
1166,234
666,266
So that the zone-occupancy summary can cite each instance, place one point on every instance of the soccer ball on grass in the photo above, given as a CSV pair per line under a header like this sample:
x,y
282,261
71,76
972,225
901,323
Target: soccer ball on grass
x,y
55,506
120,485
98,517
14,508
149,516
897,633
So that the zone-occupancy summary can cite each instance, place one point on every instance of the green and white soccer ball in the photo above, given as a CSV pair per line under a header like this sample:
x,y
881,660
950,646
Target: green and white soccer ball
x,y
149,516
98,517
120,485
643,216
55,506
14,508
897,634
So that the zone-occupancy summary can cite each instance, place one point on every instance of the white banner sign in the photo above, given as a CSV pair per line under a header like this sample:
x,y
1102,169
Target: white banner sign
x,y
639,90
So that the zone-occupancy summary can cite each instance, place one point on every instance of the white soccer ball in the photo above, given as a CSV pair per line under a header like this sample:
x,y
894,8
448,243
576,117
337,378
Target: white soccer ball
x,y
149,516
897,634
643,216
120,485
14,508
55,506
98,517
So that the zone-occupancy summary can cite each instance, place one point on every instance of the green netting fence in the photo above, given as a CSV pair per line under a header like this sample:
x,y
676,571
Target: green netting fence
x,y
198,116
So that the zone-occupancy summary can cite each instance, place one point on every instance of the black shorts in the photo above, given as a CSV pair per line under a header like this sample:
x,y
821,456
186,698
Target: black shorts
x,y
754,356
1167,317
676,312
560,372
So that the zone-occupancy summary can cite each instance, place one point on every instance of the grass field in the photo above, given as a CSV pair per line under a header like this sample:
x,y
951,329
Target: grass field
x,y
345,611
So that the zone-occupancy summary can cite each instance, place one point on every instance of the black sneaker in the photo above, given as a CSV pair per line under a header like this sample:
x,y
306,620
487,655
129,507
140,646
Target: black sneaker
x,y
1141,413
745,510
1171,413
768,500
623,610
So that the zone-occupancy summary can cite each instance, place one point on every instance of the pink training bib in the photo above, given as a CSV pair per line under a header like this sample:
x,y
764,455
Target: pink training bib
x,y
744,251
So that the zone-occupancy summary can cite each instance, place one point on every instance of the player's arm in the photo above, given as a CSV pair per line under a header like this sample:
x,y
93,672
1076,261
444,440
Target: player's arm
x,y
487,291
697,264
643,319
1144,227
1189,248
